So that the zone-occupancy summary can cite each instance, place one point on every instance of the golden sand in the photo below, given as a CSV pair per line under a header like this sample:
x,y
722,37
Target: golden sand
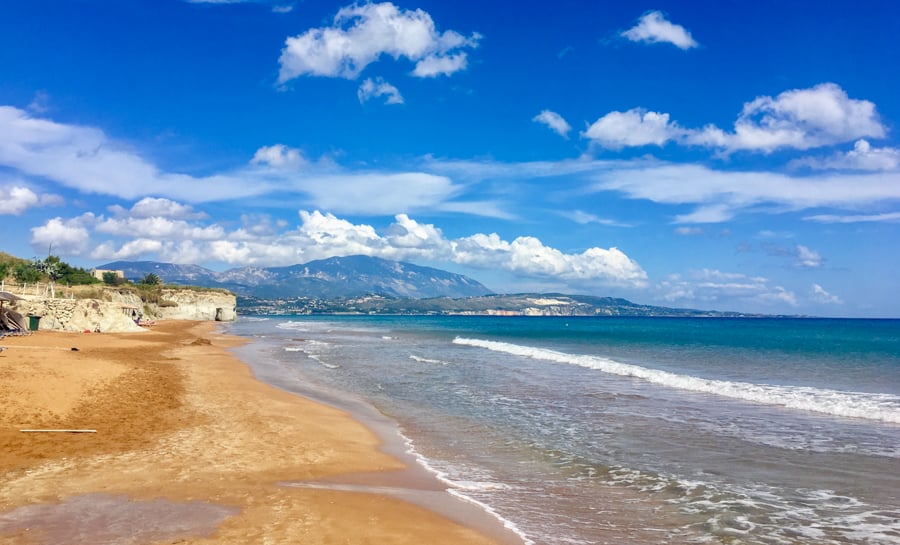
x,y
189,448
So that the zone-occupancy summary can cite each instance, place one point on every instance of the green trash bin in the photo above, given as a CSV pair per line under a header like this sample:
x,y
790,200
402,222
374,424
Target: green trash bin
x,y
34,322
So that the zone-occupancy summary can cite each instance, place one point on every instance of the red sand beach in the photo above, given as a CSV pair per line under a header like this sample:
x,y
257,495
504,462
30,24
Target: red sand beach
x,y
188,447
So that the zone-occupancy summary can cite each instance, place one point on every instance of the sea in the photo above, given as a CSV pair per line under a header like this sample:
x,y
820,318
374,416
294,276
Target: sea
x,y
572,431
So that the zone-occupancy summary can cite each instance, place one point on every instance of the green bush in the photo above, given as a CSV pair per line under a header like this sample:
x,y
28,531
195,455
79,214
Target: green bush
x,y
25,272
150,279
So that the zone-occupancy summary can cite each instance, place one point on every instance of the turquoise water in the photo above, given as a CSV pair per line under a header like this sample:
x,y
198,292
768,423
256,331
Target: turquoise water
x,y
627,430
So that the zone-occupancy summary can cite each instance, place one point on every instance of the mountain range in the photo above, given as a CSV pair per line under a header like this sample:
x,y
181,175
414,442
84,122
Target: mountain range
x,y
334,277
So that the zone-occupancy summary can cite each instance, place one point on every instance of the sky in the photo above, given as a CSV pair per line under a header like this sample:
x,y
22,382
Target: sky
x,y
711,154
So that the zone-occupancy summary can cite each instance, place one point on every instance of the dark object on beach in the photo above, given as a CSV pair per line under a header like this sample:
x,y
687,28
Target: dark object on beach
x,y
6,296
74,349
12,322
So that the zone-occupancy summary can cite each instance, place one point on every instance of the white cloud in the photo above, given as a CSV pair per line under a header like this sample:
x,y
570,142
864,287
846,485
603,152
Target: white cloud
x,y
320,235
278,156
131,249
636,127
800,119
583,218
689,231
276,8
16,199
711,286
86,159
807,258
804,118
862,157
362,33
40,103
149,207
66,237
720,195
818,294
433,66
528,256
555,121
408,234
653,27
854,218
370,89
158,227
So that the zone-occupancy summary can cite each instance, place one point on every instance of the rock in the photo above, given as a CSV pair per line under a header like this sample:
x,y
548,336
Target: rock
x,y
118,315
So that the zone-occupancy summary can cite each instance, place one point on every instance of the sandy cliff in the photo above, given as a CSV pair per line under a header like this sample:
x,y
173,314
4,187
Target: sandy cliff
x,y
118,309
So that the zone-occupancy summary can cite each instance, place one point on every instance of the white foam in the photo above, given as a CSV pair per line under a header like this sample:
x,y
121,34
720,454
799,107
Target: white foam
x,y
323,363
456,487
427,360
870,406
292,349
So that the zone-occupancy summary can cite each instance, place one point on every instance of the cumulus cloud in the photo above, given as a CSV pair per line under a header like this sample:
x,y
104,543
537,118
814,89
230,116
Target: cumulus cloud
x,y
653,27
67,237
278,156
711,286
370,89
158,227
319,235
818,294
636,127
800,119
529,256
130,250
149,207
16,199
433,66
361,33
862,157
554,121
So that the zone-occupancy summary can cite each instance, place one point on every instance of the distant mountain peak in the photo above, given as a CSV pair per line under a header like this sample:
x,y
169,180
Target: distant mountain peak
x,y
344,276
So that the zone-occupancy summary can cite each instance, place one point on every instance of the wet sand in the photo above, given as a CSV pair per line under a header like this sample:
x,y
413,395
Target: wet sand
x,y
188,447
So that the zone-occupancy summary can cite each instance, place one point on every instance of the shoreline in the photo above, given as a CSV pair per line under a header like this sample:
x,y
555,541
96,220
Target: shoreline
x,y
190,446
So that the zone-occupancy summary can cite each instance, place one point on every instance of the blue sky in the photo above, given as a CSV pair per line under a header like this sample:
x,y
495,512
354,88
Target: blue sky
x,y
706,154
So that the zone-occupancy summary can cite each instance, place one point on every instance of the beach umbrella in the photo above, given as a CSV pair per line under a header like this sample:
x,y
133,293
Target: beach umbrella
x,y
6,296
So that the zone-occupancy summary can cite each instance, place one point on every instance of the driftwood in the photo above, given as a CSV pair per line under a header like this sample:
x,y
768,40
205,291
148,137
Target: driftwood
x,y
58,431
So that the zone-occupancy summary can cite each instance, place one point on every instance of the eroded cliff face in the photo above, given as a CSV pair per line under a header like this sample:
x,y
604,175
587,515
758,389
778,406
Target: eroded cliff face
x,y
121,309
182,304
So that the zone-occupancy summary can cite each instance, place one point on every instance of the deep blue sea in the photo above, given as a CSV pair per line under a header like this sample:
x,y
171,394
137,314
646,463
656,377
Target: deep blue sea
x,y
625,430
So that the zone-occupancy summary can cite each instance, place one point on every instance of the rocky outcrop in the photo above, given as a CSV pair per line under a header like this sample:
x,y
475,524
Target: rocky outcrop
x,y
123,308
183,304
81,315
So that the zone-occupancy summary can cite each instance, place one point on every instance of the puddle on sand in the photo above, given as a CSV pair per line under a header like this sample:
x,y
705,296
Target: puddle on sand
x,y
105,519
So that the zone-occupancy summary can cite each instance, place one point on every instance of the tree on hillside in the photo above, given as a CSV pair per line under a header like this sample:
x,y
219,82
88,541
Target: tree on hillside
x,y
112,279
25,272
151,279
